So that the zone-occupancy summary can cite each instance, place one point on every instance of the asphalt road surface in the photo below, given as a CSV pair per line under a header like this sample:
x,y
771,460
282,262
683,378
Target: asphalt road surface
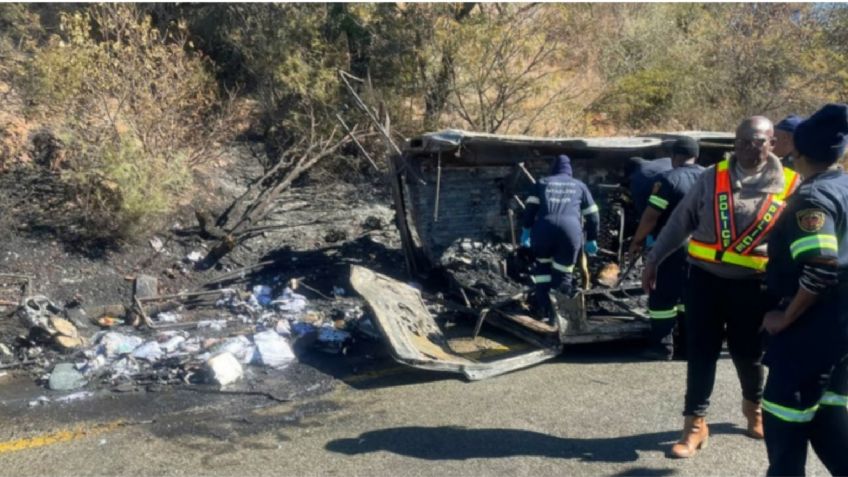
x,y
593,411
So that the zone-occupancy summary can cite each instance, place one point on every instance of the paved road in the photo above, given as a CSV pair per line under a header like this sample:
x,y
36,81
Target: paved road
x,y
593,411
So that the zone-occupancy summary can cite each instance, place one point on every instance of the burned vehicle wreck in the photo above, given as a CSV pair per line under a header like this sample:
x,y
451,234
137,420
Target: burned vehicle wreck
x,y
458,199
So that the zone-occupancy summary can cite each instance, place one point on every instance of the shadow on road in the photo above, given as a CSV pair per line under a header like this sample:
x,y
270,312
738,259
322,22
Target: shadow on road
x,y
459,443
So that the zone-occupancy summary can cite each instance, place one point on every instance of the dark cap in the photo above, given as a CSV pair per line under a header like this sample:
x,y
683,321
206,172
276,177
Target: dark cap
x,y
789,123
823,136
685,146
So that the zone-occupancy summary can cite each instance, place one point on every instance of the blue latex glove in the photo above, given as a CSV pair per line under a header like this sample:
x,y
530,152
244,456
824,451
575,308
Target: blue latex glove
x,y
525,238
591,248
649,241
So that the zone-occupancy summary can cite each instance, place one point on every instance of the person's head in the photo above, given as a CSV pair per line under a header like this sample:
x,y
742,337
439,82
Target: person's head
x,y
561,165
821,140
754,141
684,151
783,131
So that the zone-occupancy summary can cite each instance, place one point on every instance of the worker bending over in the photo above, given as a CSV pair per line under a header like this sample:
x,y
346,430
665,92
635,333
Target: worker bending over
x,y
664,301
554,219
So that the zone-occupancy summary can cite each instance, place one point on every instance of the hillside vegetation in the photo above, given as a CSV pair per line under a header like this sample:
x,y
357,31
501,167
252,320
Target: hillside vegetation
x,y
123,103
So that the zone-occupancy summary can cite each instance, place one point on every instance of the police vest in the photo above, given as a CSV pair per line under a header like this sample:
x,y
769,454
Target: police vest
x,y
730,246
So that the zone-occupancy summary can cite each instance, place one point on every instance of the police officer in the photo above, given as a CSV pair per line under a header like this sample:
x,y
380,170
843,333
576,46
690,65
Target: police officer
x,y
807,390
729,212
664,305
554,219
783,145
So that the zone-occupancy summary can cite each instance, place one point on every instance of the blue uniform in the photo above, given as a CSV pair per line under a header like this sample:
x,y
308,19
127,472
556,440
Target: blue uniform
x,y
664,301
555,212
642,178
807,390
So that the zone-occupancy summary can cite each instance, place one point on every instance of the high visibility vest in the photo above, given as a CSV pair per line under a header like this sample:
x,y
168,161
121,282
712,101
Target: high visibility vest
x,y
738,248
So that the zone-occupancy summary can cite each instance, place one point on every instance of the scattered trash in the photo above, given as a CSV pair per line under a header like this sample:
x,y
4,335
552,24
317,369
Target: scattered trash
x,y
290,302
225,369
5,351
116,344
107,321
74,397
262,295
168,317
149,351
272,349
194,256
65,377
238,346
331,338
40,400
338,291
214,325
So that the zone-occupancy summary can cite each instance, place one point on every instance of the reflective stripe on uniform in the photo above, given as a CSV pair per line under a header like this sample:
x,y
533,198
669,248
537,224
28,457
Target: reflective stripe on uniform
x,y
541,278
832,399
544,260
662,314
590,210
532,200
681,308
704,252
789,414
658,202
813,242
563,268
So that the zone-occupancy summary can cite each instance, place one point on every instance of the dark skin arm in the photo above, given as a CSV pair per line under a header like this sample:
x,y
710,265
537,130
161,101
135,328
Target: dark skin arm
x,y
646,225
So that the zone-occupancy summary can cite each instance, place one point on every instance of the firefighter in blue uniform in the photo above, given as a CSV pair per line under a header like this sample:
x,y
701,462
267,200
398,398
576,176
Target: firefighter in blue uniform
x,y
554,219
807,390
664,305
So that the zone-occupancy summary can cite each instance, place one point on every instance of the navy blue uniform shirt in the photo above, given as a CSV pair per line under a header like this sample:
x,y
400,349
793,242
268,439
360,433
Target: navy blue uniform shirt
x,y
643,178
667,192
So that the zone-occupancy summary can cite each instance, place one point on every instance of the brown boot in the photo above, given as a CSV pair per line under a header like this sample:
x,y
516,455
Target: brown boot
x,y
754,414
695,436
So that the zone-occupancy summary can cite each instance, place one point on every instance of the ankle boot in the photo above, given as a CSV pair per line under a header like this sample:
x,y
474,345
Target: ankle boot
x,y
754,414
695,436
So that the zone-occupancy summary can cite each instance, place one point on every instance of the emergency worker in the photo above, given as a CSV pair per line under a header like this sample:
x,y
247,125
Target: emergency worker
x,y
728,212
554,219
664,305
807,390
642,174
783,145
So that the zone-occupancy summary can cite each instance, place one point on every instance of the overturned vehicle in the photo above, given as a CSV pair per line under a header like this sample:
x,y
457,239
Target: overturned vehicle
x,y
459,198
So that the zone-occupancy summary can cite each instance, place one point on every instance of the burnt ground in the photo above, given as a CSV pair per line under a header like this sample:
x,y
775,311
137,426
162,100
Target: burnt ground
x,y
314,235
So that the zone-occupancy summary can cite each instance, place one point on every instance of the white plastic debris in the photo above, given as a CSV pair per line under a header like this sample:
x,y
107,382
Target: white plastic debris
x,y
194,256
262,294
74,396
65,377
115,344
272,349
171,343
40,400
225,368
168,317
283,328
149,351
289,302
238,346
214,325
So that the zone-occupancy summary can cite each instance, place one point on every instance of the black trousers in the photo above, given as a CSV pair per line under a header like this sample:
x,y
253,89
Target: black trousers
x,y
664,301
715,306
806,403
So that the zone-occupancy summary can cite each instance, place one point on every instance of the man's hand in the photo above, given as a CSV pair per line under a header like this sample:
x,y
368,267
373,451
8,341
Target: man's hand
x,y
635,248
649,277
775,321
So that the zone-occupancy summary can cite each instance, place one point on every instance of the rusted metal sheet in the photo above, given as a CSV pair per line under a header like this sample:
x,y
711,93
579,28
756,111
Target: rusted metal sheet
x,y
413,336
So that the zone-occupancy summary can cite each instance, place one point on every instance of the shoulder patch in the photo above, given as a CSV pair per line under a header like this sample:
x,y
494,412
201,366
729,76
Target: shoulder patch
x,y
810,220
656,188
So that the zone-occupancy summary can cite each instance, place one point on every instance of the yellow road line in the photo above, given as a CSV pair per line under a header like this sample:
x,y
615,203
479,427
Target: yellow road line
x,y
56,437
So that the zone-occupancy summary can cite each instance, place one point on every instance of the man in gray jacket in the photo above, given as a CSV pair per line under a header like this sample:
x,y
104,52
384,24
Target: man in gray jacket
x,y
728,214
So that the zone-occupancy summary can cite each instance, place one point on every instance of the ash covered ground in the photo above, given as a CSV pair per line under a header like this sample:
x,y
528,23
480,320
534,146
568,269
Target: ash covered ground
x,y
279,299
